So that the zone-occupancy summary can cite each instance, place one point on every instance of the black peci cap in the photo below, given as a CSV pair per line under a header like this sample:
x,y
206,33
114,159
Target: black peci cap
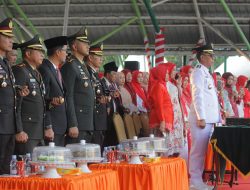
x,y
111,66
132,65
55,42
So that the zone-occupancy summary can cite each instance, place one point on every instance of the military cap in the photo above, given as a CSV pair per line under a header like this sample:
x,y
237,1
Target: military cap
x,y
35,43
132,65
6,27
81,35
15,46
111,66
96,49
55,42
208,48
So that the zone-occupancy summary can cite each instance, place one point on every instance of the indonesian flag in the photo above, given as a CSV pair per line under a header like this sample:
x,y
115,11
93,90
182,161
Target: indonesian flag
x,y
201,42
146,44
159,48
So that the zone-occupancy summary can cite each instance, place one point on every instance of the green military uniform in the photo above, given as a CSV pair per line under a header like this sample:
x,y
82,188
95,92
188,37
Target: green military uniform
x,y
30,108
100,109
80,96
7,105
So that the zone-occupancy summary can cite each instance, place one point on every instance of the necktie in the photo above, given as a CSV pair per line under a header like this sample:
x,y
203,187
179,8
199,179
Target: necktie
x,y
59,76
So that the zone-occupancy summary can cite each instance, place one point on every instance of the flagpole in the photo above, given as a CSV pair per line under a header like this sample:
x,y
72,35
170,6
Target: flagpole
x,y
159,38
152,15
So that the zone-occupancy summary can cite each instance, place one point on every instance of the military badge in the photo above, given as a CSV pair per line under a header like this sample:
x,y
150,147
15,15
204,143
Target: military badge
x,y
10,24
86,84
4,83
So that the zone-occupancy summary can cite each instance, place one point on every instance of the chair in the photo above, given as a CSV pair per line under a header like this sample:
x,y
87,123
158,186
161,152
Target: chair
x,y
129,126
137,123
119,127
145,124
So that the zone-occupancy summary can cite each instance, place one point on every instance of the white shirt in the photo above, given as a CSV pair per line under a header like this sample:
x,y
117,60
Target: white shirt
x,y
53,64
205,103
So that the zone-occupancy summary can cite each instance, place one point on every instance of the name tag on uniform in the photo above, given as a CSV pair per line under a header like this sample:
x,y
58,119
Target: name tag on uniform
x,y
32,80
2,71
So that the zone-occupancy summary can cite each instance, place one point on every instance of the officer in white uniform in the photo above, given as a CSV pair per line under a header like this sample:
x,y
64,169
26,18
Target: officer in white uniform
x,y
204,113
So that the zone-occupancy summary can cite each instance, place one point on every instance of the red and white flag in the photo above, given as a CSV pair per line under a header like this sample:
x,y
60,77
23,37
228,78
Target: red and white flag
x,y
201,42
146,44
159,48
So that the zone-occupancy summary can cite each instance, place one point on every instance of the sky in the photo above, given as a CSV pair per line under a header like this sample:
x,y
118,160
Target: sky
x,y
238,65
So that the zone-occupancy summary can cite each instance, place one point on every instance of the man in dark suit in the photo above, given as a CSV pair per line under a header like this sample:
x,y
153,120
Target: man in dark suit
x,y
55,118
80,96
94,62
30,108
108,81
7,98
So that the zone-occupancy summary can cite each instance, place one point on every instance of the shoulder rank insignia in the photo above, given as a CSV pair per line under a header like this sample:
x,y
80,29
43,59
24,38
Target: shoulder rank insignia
x,y
69,59
198,66
21,65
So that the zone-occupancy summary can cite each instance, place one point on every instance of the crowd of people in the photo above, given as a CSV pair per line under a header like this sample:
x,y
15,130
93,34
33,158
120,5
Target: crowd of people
x,y
64,98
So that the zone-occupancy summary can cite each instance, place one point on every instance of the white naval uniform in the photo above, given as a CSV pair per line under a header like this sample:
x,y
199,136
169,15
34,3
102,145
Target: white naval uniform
x,y
205,106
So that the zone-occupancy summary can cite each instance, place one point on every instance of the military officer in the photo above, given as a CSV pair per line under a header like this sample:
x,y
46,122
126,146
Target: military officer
x,y
55,118
79,92
203,114
94,61
7,98
11,56
30,108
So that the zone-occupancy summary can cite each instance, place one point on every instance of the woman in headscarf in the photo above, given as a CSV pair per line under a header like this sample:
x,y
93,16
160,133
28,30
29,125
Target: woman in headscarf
x,y
244,96
125,95
174,89
128,85
145,81
186,101
141,98
187,69
186,93
161,115
247,101
219,84
230,91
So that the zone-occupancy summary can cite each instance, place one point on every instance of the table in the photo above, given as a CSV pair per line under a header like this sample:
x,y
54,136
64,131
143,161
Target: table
x,y
232,143
97,180
168,174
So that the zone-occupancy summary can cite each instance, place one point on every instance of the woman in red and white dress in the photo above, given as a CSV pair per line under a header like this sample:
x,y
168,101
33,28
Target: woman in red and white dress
x,y
141,98
174,88
243,96
161,116
125,94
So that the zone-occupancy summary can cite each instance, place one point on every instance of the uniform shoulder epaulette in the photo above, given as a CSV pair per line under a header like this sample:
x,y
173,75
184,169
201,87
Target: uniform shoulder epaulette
x,y
20,65
70,59
198,66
